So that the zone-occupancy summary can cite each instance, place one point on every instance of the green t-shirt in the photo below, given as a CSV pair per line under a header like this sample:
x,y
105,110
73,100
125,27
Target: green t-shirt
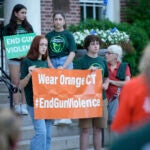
x,y
25,64
86,62
60,43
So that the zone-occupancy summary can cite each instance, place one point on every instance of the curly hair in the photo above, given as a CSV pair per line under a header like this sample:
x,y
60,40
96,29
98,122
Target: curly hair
x,y
89,39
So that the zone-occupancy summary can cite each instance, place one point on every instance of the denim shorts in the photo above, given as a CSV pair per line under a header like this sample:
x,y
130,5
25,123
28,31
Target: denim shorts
x,y
14,62
60,62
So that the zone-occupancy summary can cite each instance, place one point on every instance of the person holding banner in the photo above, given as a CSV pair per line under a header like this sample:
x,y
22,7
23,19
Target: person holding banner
x,y
18,24
36,58
92,61
134,102
62,47
119,74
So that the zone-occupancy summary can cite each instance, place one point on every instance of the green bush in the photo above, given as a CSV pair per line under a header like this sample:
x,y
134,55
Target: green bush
x,y
144,24
137,10
92,24
139,39
138,36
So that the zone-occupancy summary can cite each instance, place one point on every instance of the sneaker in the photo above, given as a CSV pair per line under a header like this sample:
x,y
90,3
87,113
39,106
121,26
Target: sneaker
x,y
17,109
24,110
63,122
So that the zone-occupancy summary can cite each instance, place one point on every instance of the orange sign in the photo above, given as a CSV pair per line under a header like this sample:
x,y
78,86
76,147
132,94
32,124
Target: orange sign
x,y
60,93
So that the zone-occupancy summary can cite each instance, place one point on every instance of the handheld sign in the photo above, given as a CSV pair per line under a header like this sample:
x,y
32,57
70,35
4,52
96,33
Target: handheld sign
x,y
18,45
67,93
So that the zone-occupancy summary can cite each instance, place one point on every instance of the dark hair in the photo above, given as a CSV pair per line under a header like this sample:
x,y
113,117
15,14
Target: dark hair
x,y
12,26
89,39
62,14
34,48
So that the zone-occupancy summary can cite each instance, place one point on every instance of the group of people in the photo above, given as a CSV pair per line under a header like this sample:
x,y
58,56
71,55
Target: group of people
x,y
57,50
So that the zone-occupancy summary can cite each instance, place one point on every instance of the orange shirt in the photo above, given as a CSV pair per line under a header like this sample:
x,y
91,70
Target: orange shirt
x,y
134,107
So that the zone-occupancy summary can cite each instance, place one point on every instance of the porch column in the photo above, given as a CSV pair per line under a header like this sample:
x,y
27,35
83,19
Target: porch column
x,y
113,10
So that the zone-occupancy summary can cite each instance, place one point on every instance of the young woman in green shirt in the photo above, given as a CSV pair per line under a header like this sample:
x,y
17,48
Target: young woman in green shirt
x,y
18,24
36,58
61,47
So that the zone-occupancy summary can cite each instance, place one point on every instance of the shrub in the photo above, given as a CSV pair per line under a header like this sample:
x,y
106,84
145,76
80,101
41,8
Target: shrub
x,y
137,35
144,24
137,10
92,24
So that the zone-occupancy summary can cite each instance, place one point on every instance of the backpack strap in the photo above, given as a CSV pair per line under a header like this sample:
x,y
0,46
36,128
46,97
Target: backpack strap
x,y
121,74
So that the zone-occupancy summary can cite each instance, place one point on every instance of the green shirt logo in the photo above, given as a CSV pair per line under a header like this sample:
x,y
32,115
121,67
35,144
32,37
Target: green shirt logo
x,y
57,44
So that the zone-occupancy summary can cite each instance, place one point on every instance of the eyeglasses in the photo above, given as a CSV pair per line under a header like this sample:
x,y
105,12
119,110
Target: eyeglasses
x,y
109,53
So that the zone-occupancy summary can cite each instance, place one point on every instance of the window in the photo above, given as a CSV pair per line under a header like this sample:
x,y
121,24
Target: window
x,y
91,9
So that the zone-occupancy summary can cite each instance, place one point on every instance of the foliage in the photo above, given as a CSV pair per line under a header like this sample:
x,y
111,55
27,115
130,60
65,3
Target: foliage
x,y
137,35
137,10
144,24
92,24
138,13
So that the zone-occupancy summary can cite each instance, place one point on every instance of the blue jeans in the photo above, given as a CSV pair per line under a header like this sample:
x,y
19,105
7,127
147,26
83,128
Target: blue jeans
x,y
60,62
112,108
42,138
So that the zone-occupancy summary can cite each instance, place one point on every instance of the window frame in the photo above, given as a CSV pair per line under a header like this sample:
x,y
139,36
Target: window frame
x,y
90,3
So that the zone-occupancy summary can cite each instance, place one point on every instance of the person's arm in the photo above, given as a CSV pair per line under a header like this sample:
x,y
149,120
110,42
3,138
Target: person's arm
x,y
50,65
68,60
106,79
26,79
105,83
119,83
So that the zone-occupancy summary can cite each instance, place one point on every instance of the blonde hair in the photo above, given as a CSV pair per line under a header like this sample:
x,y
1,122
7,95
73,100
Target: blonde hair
x,y
117,50
9,129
